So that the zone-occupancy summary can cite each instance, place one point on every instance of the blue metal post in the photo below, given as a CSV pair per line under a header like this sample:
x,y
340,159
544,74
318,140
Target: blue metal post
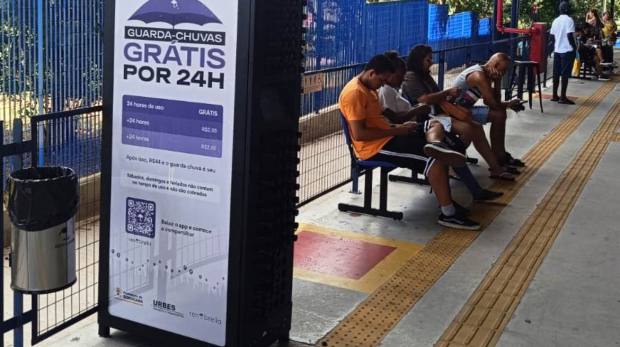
x,y
514,22
41,40
494,31
318,41
2,232
442,72
18,298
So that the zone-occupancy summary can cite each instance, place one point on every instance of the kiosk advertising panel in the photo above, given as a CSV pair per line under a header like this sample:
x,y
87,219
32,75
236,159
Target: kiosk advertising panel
x,y
174,93
193,102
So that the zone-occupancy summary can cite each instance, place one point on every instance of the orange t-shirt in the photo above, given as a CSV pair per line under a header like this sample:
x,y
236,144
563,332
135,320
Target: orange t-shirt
x,y
360,103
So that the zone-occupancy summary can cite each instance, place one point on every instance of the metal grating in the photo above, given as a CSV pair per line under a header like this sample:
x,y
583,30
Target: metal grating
x,y
73,140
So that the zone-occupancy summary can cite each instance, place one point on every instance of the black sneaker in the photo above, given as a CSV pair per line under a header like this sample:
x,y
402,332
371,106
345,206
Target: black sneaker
x,y
460,210
446,155
487,195
458,222
512,161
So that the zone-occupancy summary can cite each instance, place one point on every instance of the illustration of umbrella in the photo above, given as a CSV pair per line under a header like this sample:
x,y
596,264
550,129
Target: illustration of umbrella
x,y
175,12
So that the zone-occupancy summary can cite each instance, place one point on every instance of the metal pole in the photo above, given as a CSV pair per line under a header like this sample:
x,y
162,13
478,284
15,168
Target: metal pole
x,y
18,298
514,23
318,41
442,70
40,40
494,31
41,80
2,232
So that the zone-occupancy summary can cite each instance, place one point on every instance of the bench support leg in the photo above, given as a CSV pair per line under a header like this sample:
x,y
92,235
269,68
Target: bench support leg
x,y
367,208
413,179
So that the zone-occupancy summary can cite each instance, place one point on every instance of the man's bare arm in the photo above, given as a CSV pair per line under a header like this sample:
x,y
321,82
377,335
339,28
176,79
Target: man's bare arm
x,y
481,81
360,132
403,117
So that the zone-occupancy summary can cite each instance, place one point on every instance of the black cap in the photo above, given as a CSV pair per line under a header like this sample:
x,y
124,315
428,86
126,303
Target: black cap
x,y
565,7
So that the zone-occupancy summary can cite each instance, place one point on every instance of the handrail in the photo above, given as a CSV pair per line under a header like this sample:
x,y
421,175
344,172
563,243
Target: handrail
x,y
70,113
500,23
440,51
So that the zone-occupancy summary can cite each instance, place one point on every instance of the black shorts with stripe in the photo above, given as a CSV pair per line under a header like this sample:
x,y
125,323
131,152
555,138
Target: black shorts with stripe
x,y
406,152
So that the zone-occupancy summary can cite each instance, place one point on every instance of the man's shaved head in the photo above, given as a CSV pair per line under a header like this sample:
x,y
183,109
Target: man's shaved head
x,y
499,57
498,65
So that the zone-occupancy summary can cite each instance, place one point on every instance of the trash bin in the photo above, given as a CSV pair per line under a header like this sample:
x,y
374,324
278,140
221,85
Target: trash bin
x,y
42,204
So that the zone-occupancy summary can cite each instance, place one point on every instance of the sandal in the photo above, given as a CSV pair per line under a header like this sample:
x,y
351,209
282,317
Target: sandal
x,y
504,176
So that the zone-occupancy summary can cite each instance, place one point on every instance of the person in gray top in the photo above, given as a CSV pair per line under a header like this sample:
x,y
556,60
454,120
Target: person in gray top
x,y
420,87
484,81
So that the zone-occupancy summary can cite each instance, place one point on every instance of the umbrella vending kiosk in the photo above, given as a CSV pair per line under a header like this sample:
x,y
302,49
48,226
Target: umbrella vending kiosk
x,y
199,179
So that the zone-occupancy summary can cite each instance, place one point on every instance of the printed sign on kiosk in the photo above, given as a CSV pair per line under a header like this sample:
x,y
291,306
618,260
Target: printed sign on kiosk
x,y
190,110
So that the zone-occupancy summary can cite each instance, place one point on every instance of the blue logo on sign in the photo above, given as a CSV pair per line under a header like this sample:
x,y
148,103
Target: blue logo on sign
x,y
175,12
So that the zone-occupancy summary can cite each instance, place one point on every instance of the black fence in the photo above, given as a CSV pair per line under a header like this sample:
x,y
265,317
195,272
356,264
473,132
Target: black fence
x,y
70,139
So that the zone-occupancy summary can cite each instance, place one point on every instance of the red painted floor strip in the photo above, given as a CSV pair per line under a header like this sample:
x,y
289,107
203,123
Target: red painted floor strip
x,y
337,256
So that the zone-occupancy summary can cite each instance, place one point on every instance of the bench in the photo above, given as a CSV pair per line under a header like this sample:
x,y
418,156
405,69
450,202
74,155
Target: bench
x,y
366,167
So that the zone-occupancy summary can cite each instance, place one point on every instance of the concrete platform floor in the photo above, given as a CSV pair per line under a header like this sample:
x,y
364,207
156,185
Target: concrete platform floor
x,y
572,300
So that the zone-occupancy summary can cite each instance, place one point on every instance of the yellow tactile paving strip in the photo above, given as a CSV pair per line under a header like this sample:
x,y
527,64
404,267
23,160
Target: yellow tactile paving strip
x,y
375,277
370,322
486,314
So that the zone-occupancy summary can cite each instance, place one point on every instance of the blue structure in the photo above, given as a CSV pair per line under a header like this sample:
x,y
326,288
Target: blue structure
x,y
347,32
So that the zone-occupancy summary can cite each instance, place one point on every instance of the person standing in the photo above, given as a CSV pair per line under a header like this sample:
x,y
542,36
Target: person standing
x,y
564,55
534,15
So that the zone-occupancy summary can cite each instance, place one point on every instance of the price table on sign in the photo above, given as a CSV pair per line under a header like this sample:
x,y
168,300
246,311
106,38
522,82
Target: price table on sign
x,y
171,125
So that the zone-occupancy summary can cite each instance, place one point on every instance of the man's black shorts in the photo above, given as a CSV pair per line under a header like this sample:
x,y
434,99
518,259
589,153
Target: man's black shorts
x,y
563,64
406,152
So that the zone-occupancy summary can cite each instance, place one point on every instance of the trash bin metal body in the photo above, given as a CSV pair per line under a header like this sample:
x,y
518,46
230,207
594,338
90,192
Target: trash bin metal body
x,y
43,261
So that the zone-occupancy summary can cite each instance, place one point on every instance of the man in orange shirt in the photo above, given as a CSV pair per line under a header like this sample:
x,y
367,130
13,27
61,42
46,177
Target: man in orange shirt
x,y
406,145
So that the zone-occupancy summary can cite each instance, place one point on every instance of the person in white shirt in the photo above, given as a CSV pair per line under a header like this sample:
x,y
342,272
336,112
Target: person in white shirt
x,y
397,109
564,55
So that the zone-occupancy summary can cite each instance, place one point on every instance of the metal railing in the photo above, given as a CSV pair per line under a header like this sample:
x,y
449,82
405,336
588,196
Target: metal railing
x,y
73,139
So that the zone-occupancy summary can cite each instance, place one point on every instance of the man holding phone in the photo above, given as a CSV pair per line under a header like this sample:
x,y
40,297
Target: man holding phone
x,y
406,145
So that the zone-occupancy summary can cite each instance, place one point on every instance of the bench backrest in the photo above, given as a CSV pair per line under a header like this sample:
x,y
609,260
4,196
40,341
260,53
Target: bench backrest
x,y
347,138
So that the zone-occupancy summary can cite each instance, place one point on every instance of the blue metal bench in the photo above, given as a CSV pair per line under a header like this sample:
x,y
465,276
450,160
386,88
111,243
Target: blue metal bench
x,y
364,167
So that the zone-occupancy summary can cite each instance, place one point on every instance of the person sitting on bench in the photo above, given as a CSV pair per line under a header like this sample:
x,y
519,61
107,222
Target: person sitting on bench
x,y
405,145
475,83
590,49
397,109
419,86
609,37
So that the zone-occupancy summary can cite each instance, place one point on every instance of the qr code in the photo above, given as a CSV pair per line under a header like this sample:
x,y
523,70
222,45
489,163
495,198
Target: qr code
x,y
141,216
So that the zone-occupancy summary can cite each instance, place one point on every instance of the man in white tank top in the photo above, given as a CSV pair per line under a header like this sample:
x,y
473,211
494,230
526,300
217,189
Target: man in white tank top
x,y
477,82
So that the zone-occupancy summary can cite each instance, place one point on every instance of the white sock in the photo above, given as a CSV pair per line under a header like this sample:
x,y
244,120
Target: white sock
x,y
448,210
